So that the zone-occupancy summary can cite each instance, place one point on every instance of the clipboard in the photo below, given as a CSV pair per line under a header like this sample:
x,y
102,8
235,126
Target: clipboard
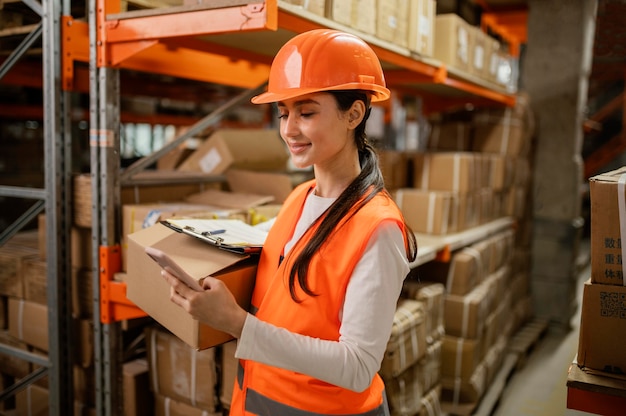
x,y
227,234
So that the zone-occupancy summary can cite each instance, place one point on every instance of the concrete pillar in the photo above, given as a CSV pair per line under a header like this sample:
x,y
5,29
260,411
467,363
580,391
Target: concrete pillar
x,y
554,73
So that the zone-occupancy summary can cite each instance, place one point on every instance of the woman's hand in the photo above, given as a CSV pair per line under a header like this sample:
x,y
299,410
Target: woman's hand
x,y
215,306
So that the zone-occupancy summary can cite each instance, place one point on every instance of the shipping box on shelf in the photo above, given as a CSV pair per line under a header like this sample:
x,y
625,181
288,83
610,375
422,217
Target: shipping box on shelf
x,y
179,372
453,41
28,322
392,22
606,216
428,212
422,26
602,345
254,149
150,292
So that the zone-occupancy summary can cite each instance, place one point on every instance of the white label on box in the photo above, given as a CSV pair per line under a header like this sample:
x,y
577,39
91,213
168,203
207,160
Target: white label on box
x,y
423,25
392,21
479,56
463,40
210,161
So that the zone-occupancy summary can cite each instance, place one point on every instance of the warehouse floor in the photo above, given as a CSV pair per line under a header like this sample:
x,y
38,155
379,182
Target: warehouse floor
x,y
539,387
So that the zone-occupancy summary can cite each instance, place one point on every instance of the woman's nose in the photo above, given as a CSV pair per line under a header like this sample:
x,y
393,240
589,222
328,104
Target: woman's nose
x,y
289,126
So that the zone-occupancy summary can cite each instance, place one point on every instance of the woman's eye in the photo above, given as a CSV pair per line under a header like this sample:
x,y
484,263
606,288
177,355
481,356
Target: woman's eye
x,y
281,116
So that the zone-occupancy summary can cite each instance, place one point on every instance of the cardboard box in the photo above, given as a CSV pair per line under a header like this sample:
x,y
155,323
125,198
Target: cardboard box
x,y
422,27
405,392
392,22
341,11
453,37
427,212
602,345
465,315
407,342
166,406
230,364
460,357
394,165
317,7
238,148
364,16
431,295
179,372
28,322
278,186
138,400
451,136
10,364
150,292
606,240
12,260
504,134
446,171
35,277
32,401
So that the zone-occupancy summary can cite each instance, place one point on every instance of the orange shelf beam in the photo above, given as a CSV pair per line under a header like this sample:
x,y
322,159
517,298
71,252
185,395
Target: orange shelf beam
x,y
120,39
114,305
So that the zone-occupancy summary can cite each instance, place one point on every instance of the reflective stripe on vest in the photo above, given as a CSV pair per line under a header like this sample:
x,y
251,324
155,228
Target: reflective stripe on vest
x,y
264,406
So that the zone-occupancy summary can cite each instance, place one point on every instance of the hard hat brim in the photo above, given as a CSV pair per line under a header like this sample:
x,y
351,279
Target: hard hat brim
x,y
378,93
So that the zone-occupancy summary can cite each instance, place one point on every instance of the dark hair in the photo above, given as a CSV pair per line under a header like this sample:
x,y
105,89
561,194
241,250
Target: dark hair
x,y
363,188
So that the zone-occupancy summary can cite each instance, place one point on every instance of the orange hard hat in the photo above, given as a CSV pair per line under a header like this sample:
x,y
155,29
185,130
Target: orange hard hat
x,y
324,60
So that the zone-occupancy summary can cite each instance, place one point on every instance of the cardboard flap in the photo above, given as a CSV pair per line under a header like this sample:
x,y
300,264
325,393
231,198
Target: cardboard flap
x,y
191,254
278,185
226,199
612,176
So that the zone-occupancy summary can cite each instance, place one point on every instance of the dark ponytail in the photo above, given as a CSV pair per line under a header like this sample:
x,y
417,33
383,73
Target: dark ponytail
x,y
363,188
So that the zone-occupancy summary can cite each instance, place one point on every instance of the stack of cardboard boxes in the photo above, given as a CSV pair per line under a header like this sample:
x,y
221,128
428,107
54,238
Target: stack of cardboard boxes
x,y
602,346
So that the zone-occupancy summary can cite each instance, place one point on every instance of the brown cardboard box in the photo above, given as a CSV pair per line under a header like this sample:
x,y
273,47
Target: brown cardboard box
x,y
459,357
32,401
602,345
431,294
10,364
180,372
278,186
407,342
138,216
82,293
506,133
229,372
465,315
606,239
4,321
238,148
446,171
422,26
341,11
453,39
317,7
150,292
11,268
392,22
394,165
35,277
28,322
451,136
364,16
427,212
405,392
166,406
431,402
138,400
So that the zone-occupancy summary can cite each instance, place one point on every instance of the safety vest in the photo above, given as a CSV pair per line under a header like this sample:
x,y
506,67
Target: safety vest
x,y
265,390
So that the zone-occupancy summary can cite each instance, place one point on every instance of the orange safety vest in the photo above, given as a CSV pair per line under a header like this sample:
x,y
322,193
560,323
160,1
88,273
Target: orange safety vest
x,y
265,390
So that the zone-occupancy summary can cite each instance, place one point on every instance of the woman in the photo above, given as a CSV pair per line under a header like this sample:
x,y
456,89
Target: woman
x,y
332,268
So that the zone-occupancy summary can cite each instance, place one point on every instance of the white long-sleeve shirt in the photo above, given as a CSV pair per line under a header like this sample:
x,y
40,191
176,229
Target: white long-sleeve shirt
x,y
366,317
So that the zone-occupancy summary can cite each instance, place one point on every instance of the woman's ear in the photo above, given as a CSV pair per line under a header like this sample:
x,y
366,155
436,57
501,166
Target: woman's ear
x,y
356,113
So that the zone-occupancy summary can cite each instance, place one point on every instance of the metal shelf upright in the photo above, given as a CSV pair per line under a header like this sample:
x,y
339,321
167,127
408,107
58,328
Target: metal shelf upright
x,y
54,198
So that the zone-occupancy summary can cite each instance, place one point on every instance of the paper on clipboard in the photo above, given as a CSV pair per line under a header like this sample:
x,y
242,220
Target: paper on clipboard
x,y
232,235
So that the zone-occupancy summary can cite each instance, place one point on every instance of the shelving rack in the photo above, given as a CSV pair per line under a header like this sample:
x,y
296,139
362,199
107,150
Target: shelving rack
x,y
229,42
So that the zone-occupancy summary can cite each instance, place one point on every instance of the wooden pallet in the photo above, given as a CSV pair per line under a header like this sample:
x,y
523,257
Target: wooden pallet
x,y
519,348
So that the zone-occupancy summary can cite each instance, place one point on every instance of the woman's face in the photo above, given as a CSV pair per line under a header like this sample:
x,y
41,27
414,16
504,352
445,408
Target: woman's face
x,y
316,131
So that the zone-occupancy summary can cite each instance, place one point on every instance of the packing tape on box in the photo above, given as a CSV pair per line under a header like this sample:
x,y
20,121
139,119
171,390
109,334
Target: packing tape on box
x,y
414,341
430,218
194,385
456,173
621,200
153,361
426,172
20,319
506,132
